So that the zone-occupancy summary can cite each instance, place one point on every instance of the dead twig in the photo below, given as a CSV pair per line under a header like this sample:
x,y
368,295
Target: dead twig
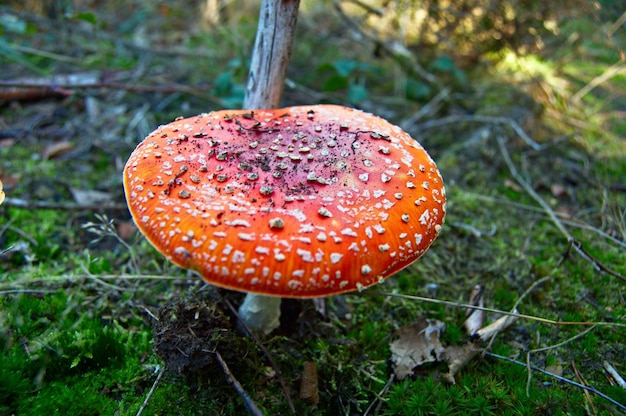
x,y
275,367
248,402
572,242
614,376
588,404
375,404
483,119
530,208
614,70
151,392
64,206
559,378
39,292
430,108
578,246
397,51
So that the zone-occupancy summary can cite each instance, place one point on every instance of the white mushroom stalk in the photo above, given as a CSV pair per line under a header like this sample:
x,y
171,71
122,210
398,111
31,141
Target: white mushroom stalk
x,y
260,313
266,81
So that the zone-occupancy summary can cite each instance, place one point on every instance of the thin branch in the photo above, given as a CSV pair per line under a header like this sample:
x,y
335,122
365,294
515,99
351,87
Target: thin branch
x,y
591,410
274,366
570,223
249,403
614,375
615,69
557,377
483,119
400,54
430,108
39,292
152,389
65,206
375,404
578,246
572,242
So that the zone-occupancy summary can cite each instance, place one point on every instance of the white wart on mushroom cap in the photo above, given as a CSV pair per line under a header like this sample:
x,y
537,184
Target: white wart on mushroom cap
x,y
295,202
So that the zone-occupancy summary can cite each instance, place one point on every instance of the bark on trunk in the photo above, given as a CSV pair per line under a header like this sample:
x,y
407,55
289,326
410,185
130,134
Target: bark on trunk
x,y
271,54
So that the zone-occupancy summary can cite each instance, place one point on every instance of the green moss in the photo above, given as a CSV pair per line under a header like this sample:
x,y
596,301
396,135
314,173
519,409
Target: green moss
x,y
81,343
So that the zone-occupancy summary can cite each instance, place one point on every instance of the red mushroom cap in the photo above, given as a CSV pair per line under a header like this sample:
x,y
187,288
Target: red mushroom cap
x,y
295,202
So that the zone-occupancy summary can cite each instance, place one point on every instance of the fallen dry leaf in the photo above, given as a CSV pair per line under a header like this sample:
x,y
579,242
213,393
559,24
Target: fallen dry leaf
x,y
456,356
56,149
309,389
88,197
126,229
500,325
415,345
614,376
556,369
475,317
558,190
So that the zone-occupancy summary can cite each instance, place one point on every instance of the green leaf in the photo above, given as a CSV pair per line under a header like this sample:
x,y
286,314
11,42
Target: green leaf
x,y
335,83
444,64
86,17
416,90
223,84
357,93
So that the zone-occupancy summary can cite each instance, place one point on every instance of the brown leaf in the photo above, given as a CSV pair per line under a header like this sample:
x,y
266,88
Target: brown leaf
x,y
512,185
309,389
556,369
126,229
558,190
456,357
415,345
56,149
87,197
7,142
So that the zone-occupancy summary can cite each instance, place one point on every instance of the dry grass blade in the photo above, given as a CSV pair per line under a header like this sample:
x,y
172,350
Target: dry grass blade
x,y
551,347
557,377
572,242
498,311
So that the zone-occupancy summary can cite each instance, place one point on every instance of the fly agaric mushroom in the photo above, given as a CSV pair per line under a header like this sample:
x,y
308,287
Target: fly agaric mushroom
x,y
297,202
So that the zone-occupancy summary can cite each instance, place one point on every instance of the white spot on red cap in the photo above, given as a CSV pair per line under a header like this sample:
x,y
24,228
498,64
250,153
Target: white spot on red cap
x,y
335,257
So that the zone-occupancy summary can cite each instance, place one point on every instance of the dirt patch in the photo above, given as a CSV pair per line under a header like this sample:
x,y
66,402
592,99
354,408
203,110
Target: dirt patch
x,y
189,332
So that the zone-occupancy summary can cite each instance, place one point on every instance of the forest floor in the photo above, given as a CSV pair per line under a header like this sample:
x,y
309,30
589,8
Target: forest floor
x,y
530,140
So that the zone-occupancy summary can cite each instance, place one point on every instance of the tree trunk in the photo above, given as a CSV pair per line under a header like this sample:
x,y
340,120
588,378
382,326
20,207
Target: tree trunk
x,y
271,54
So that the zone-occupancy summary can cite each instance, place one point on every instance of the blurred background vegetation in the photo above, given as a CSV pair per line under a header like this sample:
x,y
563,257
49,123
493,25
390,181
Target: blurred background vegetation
x,y
507,96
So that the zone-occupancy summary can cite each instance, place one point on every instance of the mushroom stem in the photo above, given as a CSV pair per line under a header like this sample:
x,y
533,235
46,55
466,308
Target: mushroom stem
x,y
260,313
266,81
